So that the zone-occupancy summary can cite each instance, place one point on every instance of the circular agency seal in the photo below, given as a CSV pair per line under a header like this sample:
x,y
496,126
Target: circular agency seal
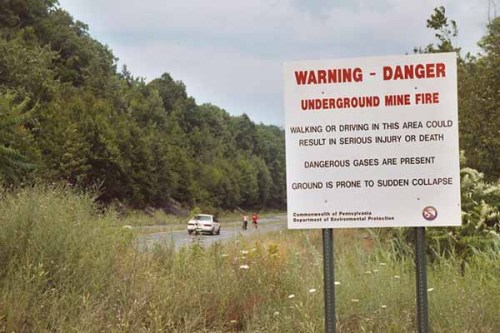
x,y
429,213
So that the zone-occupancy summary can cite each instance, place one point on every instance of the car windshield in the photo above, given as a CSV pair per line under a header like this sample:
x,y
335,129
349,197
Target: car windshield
x,y
202,218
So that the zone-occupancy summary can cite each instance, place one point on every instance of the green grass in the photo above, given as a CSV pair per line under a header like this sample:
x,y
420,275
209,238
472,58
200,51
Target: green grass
x,y
66,268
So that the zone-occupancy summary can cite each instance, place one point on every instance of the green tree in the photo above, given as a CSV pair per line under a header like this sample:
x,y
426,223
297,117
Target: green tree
x,y
170,91
17,153
244,133
483,141
445,30
27,68
15,14
478,90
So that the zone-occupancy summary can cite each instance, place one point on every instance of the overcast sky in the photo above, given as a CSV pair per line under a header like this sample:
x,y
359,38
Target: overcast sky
x,y
230,52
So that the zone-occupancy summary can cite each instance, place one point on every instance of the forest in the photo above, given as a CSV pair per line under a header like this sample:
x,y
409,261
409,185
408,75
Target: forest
x,y
68,115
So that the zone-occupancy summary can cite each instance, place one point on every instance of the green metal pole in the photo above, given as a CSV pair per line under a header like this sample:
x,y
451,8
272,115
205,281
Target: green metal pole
x,y
329,281
421,265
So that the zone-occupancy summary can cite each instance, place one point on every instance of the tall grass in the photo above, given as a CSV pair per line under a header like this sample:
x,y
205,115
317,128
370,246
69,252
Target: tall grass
x,y
55,252
66,268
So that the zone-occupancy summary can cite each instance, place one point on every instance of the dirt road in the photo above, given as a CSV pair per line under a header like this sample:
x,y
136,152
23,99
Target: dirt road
x,y
229,230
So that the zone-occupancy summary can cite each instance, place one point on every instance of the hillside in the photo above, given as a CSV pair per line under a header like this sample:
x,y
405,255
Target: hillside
x,y
69,116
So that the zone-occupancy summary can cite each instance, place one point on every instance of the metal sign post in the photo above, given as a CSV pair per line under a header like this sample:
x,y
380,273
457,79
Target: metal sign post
x,y
420,261
329,281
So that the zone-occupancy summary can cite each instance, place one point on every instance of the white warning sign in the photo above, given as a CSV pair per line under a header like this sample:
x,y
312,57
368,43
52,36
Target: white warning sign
x,y
372,142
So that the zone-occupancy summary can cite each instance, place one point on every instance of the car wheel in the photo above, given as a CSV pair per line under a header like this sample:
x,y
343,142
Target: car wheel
x,y
218,232
190,232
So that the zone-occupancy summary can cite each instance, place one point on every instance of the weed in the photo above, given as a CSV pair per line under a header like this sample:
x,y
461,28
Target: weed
x,y
64,267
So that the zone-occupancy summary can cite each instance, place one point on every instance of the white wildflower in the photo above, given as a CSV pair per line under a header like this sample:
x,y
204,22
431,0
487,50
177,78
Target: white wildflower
x,y
397,277
244,266
430,289
291,296
312,290
337,283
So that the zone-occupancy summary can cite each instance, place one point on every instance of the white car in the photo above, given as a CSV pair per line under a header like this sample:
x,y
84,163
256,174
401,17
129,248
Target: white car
x,y
204,223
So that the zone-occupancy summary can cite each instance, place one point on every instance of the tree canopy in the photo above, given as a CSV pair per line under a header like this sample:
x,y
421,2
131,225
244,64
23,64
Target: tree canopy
x,y
67,115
